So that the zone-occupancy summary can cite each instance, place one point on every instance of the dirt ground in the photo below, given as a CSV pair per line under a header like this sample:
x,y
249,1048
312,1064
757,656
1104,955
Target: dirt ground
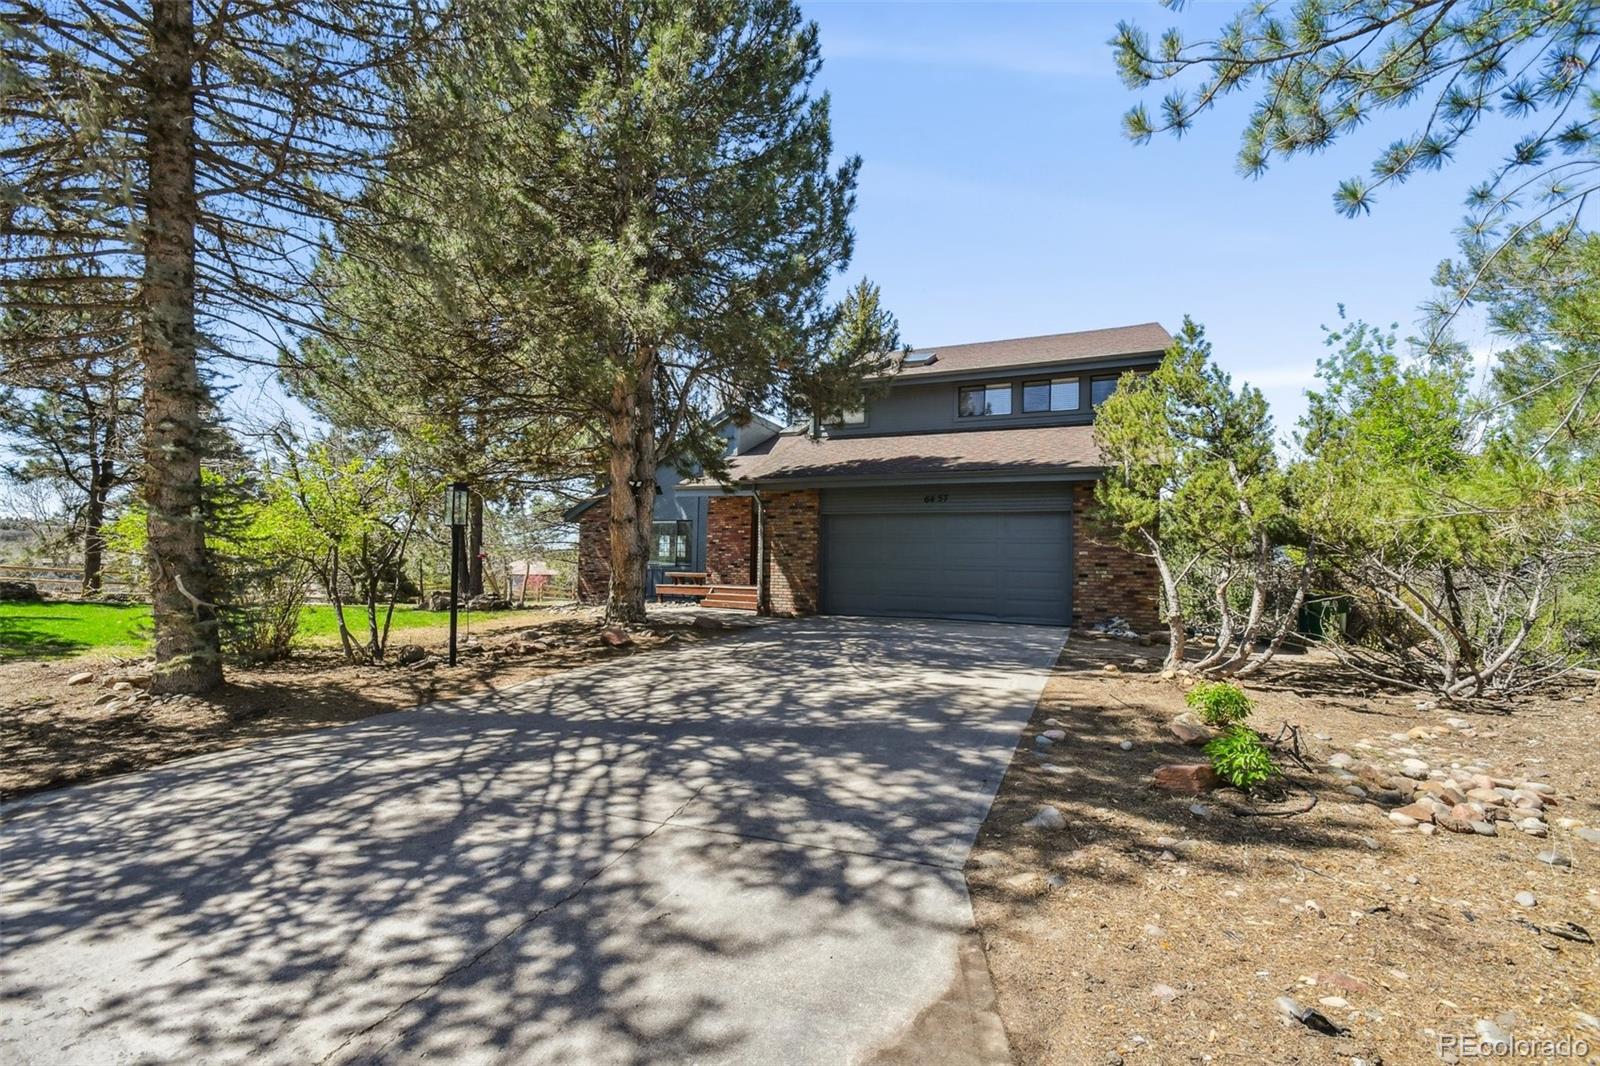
x,y
1143,931
54,734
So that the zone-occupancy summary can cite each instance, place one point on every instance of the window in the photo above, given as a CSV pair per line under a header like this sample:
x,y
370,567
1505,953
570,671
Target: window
x,y
858,417
1100,390
1057,394
919,358
979,400
669,543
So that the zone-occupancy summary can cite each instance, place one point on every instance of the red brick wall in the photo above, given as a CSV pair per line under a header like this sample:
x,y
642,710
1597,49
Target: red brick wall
x,y
792,523
594,553
1108,579
730,537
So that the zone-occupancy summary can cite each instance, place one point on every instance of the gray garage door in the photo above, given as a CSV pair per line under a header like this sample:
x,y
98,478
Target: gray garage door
x,y
948,552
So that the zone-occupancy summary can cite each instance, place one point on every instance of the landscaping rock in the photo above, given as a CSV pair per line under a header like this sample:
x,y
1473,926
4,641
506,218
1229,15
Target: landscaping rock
x,y
1307,1016
434,601
1055,734
1553,858
1415,769
1444,792
1189,733
1416,812
81,679
1341,760
1047,818
19,592
1042,741
1533,827
615,637
1457,819
1191,778
410,653
1163,993
1525,899
1126,745
1491,1033
1588,836
1484,829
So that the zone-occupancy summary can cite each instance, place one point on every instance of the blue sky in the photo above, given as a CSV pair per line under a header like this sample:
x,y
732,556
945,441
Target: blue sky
x,y
999,197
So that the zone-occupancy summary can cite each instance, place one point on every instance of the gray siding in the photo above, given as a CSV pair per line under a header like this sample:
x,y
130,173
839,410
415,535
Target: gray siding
x,y
930,406
670,506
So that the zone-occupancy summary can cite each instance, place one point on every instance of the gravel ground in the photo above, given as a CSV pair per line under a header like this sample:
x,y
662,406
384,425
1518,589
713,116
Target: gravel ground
x,y
53,733
1142,931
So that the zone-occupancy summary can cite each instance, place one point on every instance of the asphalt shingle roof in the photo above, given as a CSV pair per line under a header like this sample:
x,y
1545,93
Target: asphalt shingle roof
x,y
1042,450
1036,351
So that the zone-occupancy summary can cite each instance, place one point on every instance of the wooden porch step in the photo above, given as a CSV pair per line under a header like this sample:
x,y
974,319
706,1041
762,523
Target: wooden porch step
x,y
689,591
731,597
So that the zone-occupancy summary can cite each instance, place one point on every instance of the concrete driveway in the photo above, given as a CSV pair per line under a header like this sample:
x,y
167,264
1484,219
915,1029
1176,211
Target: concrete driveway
x,y
748,851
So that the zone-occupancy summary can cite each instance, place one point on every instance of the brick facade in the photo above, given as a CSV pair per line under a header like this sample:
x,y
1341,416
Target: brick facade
x,y
594,553
730,540
1108,579
792,524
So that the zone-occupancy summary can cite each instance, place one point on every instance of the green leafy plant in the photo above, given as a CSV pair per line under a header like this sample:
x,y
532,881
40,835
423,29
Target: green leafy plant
x,y
1241,759
1219,703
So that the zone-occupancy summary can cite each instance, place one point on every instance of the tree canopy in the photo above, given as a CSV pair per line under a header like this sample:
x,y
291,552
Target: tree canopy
x,y
1317,70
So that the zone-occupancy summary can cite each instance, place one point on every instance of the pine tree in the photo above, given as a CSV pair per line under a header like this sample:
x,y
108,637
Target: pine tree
x,y
189,150
69,399
622,219
1324,68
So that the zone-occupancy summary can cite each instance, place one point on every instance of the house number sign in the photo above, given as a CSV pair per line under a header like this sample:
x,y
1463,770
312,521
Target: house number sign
x,y
936,497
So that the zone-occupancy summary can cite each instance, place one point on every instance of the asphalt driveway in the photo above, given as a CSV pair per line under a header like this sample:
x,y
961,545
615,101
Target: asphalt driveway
x,y
748,850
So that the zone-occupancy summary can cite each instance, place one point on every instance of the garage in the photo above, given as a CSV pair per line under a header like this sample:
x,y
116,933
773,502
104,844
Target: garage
x,y
995,552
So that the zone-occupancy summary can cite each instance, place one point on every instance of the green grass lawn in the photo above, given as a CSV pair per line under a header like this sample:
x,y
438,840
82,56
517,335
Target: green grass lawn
x,y
57,630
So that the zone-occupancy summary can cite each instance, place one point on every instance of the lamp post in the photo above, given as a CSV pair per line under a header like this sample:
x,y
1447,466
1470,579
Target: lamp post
x,y
455,513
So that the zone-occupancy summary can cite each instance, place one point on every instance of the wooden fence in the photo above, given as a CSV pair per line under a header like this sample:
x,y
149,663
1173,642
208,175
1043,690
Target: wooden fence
x,y
67,580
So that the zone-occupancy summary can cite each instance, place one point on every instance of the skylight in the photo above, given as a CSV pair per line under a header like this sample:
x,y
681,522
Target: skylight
x,y
919,358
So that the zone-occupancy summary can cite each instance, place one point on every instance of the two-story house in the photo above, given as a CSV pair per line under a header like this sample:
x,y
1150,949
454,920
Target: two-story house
x,y
964,490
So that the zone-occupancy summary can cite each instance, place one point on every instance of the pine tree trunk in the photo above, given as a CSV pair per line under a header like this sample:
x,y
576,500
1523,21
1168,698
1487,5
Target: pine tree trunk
x,y
94,538
475,545
188,657
633,490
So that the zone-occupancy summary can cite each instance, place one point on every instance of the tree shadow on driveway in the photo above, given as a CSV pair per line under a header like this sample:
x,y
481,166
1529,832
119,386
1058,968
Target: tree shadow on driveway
x,y
748,851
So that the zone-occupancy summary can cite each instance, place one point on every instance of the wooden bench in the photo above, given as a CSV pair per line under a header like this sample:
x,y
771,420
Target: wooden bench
x,y
690,584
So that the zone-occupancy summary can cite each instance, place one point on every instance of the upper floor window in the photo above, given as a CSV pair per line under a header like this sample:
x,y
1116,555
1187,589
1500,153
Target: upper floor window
x,y
1057,394
978,400
1100,390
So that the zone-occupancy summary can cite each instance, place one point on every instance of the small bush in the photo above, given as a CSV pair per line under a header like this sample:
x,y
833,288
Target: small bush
x,y
1241,759
1220,703
261,624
